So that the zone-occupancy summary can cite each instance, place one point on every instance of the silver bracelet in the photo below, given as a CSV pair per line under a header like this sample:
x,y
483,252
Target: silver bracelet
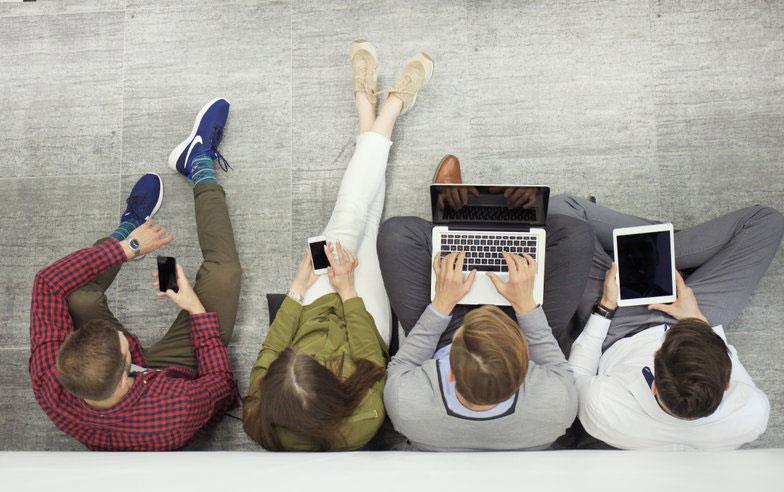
x,y
296,296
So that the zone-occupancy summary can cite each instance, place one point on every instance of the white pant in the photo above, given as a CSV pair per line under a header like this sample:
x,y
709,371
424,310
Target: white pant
x,y
354,222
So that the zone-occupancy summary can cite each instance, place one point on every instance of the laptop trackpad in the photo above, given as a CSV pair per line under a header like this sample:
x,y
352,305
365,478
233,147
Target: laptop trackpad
x,y
484,292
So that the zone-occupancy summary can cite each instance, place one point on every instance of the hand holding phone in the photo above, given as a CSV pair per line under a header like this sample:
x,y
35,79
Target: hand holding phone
x,y
318,254
184,297
167,274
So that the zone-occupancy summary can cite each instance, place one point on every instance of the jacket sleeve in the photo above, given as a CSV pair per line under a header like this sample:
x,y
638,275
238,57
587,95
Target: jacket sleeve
x,y
544,351
214,391
363,337
419,345
50,322
585,355
279,337
542,347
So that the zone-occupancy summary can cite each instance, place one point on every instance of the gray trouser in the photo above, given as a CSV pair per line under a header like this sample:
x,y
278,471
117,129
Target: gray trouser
x,y
728,256
405,254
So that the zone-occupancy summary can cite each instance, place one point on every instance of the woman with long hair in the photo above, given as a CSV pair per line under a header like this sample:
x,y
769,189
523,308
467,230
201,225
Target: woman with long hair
x,y
318,381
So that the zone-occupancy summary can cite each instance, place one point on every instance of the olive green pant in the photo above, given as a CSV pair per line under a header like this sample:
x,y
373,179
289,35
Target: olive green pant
x,y
217,284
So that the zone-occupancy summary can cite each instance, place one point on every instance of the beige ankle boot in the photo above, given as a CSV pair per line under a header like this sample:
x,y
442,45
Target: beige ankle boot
x,y
364,65
416,74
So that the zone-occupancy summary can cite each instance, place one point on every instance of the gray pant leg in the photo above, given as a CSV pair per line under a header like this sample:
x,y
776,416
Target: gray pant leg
x,y
405,255
603,220
731,255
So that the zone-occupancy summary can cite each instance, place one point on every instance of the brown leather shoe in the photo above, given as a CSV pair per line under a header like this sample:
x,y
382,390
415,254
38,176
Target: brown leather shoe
x,y
448,171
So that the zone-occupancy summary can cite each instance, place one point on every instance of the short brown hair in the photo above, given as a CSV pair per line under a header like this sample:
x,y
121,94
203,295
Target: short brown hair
x,y
692,369
90,363
489,358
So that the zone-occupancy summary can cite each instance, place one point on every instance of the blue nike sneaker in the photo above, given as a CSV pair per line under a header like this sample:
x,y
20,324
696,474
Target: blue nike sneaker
x,y
204,139
145,199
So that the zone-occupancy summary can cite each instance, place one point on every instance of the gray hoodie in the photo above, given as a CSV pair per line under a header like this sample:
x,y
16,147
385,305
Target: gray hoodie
x,y
545,407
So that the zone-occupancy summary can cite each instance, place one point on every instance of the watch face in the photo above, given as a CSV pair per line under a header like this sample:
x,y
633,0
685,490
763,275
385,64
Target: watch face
x,y
134,244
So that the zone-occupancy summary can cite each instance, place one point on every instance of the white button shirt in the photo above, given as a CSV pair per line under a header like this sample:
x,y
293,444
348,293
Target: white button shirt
x,y
618,407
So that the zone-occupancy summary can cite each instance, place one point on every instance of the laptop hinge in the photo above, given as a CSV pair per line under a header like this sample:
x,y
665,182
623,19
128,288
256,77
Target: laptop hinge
x,y
488,227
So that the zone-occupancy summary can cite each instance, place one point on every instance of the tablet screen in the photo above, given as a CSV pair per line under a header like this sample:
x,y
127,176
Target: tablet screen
x,y
645,265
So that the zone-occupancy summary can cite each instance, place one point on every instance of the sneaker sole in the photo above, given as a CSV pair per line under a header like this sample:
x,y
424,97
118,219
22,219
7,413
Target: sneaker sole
x,y
426,62
160,196
359,45
179,149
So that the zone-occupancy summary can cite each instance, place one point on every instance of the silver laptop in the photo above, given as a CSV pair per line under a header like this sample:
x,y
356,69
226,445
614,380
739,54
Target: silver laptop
x,y
483,221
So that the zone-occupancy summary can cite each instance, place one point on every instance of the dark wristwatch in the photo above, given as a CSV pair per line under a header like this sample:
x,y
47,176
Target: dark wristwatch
x,y
133,243
603,310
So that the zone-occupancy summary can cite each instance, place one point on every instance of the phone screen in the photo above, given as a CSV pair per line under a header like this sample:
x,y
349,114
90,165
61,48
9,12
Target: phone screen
x,y
320,260
167,273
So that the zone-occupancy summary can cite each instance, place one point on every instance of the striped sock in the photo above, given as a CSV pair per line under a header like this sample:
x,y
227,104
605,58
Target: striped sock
x,y
124,229
203,170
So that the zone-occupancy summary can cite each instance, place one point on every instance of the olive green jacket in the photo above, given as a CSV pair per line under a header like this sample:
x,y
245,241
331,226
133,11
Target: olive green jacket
x,y
326,330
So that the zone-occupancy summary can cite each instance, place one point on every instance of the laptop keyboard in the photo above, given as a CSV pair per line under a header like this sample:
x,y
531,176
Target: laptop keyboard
x,y
483,251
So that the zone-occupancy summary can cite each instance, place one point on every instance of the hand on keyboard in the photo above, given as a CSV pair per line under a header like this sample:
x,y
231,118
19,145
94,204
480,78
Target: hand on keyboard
x,y
450,286
519,289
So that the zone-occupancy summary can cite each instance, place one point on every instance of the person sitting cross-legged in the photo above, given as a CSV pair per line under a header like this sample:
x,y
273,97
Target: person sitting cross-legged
x,y
481,378
664,376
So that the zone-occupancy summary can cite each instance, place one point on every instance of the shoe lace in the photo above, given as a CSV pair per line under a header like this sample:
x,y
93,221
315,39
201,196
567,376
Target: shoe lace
x,y
138,205
409,82
217,136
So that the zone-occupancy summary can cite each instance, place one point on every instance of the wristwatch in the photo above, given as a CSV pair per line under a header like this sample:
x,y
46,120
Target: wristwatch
x,y
603,311
133,243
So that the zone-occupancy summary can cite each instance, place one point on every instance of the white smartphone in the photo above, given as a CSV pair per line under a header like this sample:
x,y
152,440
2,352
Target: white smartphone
x,y
318,255
645,256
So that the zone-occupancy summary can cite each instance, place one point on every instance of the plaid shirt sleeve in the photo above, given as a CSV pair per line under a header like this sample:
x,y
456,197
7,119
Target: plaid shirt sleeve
x,y
214,391
50,322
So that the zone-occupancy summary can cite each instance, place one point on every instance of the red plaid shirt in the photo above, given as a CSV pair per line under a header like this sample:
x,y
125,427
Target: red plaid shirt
x,y
164,409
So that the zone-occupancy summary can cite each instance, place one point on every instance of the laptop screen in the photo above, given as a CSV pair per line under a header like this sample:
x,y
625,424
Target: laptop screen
x,y
489,205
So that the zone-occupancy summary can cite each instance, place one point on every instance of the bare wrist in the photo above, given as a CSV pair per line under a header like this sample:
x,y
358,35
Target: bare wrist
x,y
298,288
443,308
524,307
348,294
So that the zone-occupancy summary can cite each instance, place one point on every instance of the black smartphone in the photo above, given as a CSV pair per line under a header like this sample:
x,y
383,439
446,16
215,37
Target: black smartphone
x,y
167,273
318,255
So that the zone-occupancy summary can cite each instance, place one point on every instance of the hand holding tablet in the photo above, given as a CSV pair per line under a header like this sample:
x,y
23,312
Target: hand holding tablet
x,y
645,256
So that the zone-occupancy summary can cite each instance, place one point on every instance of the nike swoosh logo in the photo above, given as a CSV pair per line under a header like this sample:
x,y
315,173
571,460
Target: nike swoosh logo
x,y
196,140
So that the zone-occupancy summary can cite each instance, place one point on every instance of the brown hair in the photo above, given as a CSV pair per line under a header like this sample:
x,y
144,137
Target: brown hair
x,y
90,363
489,358
692,369
306,398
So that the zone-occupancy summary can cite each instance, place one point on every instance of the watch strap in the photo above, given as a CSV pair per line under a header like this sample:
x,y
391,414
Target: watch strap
x,y
603,310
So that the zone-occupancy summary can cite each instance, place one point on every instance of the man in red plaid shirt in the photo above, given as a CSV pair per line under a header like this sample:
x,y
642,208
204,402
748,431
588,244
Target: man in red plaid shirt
x,y
89,374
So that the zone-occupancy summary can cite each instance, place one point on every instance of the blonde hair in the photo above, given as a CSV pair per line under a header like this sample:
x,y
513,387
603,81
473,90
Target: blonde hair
x,y
489,358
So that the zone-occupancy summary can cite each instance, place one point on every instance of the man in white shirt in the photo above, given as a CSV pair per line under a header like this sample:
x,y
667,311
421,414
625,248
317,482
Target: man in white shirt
x,y
666,379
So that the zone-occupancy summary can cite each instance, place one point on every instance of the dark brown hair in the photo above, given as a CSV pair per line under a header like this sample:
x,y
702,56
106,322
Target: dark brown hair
x,y
306,398
692,369
489,358
90,363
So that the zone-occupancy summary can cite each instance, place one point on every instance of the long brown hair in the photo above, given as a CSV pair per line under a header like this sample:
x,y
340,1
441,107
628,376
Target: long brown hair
x,y
306,398
489,358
